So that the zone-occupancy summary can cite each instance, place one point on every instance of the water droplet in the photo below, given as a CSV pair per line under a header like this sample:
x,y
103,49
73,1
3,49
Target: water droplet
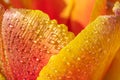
x,y
52,42
68,50
35,41
58,48
68,63
25,19
24,79
78,58
56,71
37,59
21,61
54,35
10,25
40,36
49,76
48,52
37,31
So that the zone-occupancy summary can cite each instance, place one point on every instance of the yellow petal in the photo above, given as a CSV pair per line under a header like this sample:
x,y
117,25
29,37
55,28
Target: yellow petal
x,y
99,9
88,56
114,70
2,77
102,7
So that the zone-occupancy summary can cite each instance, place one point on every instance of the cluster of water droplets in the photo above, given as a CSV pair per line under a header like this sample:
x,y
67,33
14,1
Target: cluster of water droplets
x,y
29,36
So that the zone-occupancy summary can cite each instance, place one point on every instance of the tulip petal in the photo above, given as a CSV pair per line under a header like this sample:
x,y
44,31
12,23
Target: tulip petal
x,y
29,39
52,7
1,17
114,70
74,13
5,3
102,7
88,56
2,77
80,14
1,47
99,9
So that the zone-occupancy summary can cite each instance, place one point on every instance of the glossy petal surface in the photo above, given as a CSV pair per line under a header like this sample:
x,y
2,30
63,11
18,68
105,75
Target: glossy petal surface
x,y
89,55
29,39
114,69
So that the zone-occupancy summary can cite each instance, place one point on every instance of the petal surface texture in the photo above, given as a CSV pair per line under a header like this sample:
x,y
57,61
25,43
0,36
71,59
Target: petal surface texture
x,y
114,69
29,39
89,55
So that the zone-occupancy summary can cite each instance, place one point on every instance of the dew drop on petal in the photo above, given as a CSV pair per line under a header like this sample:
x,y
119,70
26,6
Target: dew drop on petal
x,y
10,25
78,58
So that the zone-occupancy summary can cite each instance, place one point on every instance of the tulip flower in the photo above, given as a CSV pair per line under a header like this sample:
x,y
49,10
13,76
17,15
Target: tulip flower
x,y
31,38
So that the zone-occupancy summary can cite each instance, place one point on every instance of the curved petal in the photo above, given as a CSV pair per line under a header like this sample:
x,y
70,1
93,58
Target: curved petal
x,y
2,77
104,7
29,39
100,8
2,10
114,70
89,55
52,7
5,3
74,13
80,14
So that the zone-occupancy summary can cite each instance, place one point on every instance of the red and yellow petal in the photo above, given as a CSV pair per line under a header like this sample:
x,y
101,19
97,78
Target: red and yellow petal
x,y
74,13
2,10
30,38
89,55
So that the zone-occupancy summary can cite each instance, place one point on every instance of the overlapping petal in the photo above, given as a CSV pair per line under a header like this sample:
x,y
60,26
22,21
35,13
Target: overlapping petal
x,y
74,13
103,7
29,39
1,49
89,55
114,70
